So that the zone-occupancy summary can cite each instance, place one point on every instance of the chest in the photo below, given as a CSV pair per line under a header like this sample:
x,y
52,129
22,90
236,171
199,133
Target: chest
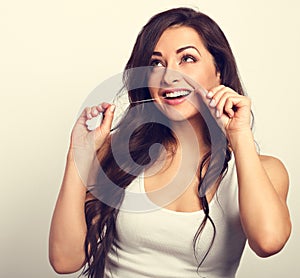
x,y
163,238
165,231
165,234
174,191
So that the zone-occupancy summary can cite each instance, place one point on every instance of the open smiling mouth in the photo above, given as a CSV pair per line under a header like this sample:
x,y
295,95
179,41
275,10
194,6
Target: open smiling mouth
x,y
176,94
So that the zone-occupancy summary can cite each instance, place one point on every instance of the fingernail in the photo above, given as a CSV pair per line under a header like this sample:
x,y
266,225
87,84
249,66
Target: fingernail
x,y
112,108
212,103
218,114
209,94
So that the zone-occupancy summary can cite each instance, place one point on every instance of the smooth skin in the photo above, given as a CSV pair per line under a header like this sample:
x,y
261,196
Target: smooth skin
x,y
68,226
262,180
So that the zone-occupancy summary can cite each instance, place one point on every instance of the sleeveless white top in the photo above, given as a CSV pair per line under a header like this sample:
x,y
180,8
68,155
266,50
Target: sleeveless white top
x,y
158,243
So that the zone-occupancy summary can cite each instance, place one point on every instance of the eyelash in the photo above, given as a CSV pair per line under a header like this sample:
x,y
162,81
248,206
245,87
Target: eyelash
x,y
154,62
188,56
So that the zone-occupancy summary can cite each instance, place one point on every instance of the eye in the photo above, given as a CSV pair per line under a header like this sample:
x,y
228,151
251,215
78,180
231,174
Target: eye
x,y
156,63
188,59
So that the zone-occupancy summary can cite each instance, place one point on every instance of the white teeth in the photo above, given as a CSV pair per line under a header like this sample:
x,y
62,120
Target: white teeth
x,y
177,93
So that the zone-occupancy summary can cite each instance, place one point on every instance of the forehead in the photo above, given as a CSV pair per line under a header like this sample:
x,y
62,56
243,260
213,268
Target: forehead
x,y
178,36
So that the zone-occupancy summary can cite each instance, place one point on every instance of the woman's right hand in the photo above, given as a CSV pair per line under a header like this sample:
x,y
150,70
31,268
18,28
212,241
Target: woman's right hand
x,y
85,143
91,140
68,226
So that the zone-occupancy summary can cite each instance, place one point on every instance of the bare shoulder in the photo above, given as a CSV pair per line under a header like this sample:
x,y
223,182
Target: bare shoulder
x,y
272,163
277,173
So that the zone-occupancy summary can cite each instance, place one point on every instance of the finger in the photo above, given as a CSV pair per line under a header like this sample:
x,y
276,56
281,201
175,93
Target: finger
x,y
235,103
229,107
219,92
226,99
215,94
105,127
95,111
84,116
210,100
212,92
91,112
218,97
103,106
220,102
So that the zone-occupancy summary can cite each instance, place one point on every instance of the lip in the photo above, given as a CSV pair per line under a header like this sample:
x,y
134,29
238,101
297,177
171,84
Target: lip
x,y
174,101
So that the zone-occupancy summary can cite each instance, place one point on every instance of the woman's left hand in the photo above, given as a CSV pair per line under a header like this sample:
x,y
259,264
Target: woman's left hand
x,y
231,110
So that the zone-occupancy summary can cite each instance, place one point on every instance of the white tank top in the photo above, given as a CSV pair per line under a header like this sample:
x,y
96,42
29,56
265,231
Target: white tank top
x,y
159,243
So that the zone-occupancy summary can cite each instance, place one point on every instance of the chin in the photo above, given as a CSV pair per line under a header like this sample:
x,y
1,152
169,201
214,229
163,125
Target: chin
x,y
179,114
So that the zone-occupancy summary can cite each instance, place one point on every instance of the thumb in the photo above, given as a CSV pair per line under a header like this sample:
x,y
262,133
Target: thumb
x,y
103,130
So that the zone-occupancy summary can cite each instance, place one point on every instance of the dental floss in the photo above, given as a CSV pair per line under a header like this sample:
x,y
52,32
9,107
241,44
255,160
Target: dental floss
x,y
95,121
144,100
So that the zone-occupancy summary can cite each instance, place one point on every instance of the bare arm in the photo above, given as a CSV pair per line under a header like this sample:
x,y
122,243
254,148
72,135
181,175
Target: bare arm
x,y
263,181
68,227
263,186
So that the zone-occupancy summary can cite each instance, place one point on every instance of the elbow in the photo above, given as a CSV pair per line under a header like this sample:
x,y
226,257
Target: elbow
x,y
64,265
60,268
267,250
270,244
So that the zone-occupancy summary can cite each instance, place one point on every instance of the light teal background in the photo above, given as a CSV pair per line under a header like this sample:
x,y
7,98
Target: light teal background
x,y
54,53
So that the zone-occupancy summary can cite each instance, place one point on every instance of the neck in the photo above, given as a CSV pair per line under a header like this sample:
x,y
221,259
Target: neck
x,y
190,132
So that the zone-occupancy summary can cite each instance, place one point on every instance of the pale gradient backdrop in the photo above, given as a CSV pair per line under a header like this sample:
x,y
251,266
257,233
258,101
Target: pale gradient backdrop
x,y
54,53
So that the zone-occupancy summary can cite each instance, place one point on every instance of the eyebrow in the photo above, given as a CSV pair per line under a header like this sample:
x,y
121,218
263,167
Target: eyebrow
x,y
186,47
181,49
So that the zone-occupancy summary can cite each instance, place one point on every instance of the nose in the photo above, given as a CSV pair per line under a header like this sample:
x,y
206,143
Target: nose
x,y
171,76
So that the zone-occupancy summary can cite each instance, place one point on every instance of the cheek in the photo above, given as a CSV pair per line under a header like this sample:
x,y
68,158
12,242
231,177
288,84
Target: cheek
x,y
209,79
215,81
155,78
153,91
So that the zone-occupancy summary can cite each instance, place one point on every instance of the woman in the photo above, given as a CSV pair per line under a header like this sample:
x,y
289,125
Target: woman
x,y
232,194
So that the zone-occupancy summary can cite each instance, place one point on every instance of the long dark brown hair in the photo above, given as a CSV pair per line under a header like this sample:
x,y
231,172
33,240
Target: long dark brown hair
x,y
101,217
